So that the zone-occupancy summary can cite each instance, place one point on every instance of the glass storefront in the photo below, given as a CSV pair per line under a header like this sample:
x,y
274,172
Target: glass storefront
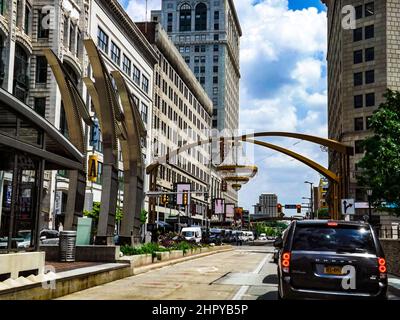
x,y
29,145
19,187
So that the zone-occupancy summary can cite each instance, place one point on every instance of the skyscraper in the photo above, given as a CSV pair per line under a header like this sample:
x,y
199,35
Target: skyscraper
x,y
207,34
362,63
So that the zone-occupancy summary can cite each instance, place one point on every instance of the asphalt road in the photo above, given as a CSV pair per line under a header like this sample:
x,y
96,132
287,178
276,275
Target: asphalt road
x,y
246,273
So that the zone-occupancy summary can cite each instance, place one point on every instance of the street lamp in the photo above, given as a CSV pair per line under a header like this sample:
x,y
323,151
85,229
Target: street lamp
x,y
369,193
311,201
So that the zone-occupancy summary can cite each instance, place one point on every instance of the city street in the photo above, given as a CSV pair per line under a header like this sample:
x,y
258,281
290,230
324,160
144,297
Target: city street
x,y
246,273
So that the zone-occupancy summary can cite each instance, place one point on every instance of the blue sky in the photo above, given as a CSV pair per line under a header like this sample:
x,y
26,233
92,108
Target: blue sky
x,y
283,88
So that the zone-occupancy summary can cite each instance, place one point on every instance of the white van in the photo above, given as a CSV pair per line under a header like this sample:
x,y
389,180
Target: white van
x,y
250,235
192,233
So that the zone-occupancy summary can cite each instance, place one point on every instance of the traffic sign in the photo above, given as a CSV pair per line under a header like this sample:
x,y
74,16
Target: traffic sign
x,y
348,206
291,206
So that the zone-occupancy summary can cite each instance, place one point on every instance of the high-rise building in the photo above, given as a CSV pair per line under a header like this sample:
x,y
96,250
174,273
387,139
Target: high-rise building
x,y
362,63
181,114
267,205
207,34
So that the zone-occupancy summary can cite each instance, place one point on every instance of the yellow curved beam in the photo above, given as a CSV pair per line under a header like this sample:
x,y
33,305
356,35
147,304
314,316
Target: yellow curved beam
x,y
312,164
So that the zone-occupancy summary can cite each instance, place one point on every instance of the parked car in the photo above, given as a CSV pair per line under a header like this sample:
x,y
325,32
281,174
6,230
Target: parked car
x,y
262,237
249,235
192,234
331,260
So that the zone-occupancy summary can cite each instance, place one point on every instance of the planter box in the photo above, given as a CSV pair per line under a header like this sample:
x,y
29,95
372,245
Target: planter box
x,y
203,250
196,251
162,256
176,254
138,260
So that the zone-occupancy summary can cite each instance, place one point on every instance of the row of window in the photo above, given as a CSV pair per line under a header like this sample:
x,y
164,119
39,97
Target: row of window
x,y
360,56
365,11
369,100
359,78
171,175
359,35
128,67
185,17
360,125
197,48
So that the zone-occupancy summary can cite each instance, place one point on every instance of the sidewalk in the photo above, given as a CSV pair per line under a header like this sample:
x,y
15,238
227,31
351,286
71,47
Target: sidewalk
x,y
394,285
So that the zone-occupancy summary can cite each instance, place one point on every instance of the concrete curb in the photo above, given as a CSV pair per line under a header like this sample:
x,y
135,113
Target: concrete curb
x,y
158,265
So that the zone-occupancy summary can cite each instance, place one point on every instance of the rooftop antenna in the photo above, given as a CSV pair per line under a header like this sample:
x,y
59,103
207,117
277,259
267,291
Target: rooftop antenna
x,y
145,19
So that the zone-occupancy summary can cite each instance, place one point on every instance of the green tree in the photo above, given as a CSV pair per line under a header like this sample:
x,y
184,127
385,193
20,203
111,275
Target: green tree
x,y
143,216
380,167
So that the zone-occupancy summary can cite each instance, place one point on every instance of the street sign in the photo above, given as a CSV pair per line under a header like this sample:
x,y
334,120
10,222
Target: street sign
x,y
348,206
291,206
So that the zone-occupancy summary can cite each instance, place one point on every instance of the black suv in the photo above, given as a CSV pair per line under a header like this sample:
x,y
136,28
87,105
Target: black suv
x,y
331,260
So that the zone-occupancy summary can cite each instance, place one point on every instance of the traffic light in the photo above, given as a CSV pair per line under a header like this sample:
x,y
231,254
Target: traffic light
x,y
185,199
279,206
298,207
165,199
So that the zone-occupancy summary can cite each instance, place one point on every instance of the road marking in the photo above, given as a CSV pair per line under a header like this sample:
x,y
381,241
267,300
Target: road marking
x,y
262,263
243,289
240,293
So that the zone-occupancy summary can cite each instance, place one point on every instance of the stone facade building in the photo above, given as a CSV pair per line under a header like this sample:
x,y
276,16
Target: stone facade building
x,y
181,114
267,205
362,63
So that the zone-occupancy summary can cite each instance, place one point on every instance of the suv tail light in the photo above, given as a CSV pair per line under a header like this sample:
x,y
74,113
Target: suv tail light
x,y
382,268
285,262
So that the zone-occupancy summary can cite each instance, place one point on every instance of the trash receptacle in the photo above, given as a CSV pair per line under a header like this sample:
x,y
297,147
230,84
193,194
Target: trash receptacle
x,y
67,246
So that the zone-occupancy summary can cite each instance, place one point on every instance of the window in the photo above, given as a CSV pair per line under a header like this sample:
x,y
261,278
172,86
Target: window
x,y
358,101
215,123
187,49
196,69
357,34
99,173
196,59
127,65
216,48
216,37
196,48
169,19
215,90
370,54
369,9
185,17
359,146
27,19
203,59
203,48
370,76
115,53
358,79
359,12
369,32
215,80
215,59
215,69
187,60
202,80
216,15
41,69
359,124
182,49
358,56
201,17
216,26
369,122
102,40
2,3
40,106
370,99
144,112
43,31
136,75
145,84
202,69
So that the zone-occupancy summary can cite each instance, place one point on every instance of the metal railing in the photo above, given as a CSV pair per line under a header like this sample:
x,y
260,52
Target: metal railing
x,y
389,232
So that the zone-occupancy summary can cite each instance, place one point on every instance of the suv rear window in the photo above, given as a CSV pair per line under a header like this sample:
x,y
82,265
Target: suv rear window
x,y
346,239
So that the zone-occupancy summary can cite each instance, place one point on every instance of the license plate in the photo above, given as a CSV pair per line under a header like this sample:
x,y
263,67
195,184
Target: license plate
x,y
333,270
